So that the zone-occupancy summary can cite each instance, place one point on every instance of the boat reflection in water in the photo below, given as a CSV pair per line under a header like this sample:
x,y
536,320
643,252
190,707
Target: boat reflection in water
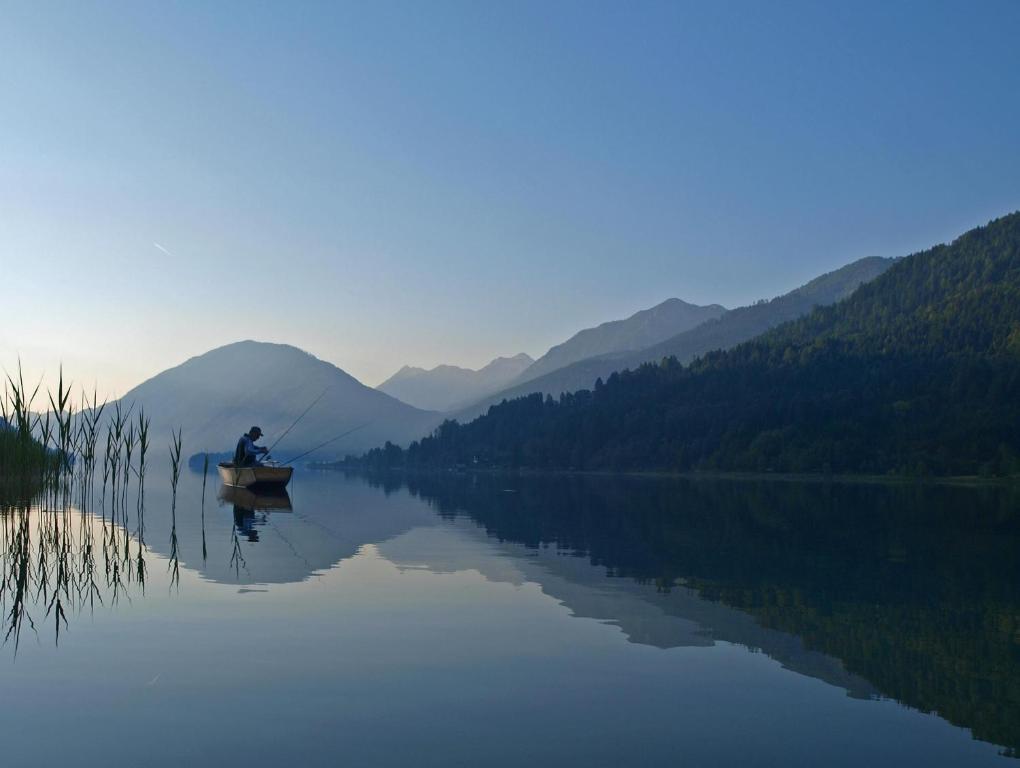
x,y
247,502
273,500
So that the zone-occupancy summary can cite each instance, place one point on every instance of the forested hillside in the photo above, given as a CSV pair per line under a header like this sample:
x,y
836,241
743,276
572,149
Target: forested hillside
x,y
917,372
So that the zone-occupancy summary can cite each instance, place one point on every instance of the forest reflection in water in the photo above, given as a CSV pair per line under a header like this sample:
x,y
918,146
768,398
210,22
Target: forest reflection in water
x,y
913,587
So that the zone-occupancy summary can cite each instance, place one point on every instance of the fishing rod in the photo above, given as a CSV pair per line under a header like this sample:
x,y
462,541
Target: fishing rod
x,y
332,440
305,411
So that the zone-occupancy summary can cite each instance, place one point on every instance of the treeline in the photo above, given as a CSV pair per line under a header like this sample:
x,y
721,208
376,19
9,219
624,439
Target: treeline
x,y
918,372
23,462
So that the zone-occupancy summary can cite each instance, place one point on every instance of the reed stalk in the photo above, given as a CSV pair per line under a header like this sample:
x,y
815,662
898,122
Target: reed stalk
x,y
175,475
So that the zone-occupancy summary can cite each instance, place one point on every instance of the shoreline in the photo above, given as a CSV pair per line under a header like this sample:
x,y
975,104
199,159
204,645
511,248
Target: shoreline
x,y
804,477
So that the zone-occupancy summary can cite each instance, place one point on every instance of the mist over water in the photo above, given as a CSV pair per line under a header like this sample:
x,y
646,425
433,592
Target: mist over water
x,y
490,619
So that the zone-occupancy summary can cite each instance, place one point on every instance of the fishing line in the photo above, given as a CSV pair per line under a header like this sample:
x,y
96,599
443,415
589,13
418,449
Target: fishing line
x,y
306,410
333,440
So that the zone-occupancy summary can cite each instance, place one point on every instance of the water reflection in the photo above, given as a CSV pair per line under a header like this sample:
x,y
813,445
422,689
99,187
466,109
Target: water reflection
x,y
245,503
274,500
901,592
57,561
244,538
915,590
909,592
58,564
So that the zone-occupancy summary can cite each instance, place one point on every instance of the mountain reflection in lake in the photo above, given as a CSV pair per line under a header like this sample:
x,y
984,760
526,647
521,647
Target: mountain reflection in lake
x,y
495,620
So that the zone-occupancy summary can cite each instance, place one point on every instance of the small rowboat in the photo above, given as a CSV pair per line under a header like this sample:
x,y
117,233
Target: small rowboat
x,y
259,476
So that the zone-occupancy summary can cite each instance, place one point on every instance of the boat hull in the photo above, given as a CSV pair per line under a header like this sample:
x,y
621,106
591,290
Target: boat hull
x,y
254,477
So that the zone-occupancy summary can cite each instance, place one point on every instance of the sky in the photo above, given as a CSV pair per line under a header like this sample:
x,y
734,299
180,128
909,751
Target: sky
x,y
415,183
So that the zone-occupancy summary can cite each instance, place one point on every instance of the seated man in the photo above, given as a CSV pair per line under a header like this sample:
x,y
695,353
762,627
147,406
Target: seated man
x,y
246,453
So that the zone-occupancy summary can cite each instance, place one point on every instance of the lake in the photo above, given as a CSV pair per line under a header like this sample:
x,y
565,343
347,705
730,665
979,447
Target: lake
x,y
465,620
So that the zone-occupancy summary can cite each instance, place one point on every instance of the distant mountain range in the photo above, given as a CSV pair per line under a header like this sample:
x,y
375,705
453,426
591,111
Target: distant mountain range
x,y
916,372
640,330
450,388
724,330
446,387
217,396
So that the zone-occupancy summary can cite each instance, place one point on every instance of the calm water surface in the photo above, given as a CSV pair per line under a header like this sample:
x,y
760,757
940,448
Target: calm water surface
x,y
466,621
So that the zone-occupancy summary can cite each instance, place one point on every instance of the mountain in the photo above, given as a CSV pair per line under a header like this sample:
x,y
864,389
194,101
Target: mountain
x,y
640,330
917,372
215,397
726,331
448,386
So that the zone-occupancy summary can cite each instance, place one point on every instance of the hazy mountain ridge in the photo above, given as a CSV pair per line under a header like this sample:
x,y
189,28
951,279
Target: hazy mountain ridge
x,y
917,372
640,330
449,386
733,327
216,396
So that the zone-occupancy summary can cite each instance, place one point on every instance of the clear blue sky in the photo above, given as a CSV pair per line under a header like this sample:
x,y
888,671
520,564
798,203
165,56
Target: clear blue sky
x,y
429,182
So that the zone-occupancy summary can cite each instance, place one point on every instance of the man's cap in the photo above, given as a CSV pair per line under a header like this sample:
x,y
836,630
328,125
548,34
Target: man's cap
x,y
253,430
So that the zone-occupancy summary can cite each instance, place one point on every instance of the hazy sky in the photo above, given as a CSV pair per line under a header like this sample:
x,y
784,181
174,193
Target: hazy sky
x,y
429,182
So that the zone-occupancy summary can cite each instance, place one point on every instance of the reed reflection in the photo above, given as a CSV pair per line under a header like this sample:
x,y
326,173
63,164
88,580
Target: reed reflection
x,y
55,564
